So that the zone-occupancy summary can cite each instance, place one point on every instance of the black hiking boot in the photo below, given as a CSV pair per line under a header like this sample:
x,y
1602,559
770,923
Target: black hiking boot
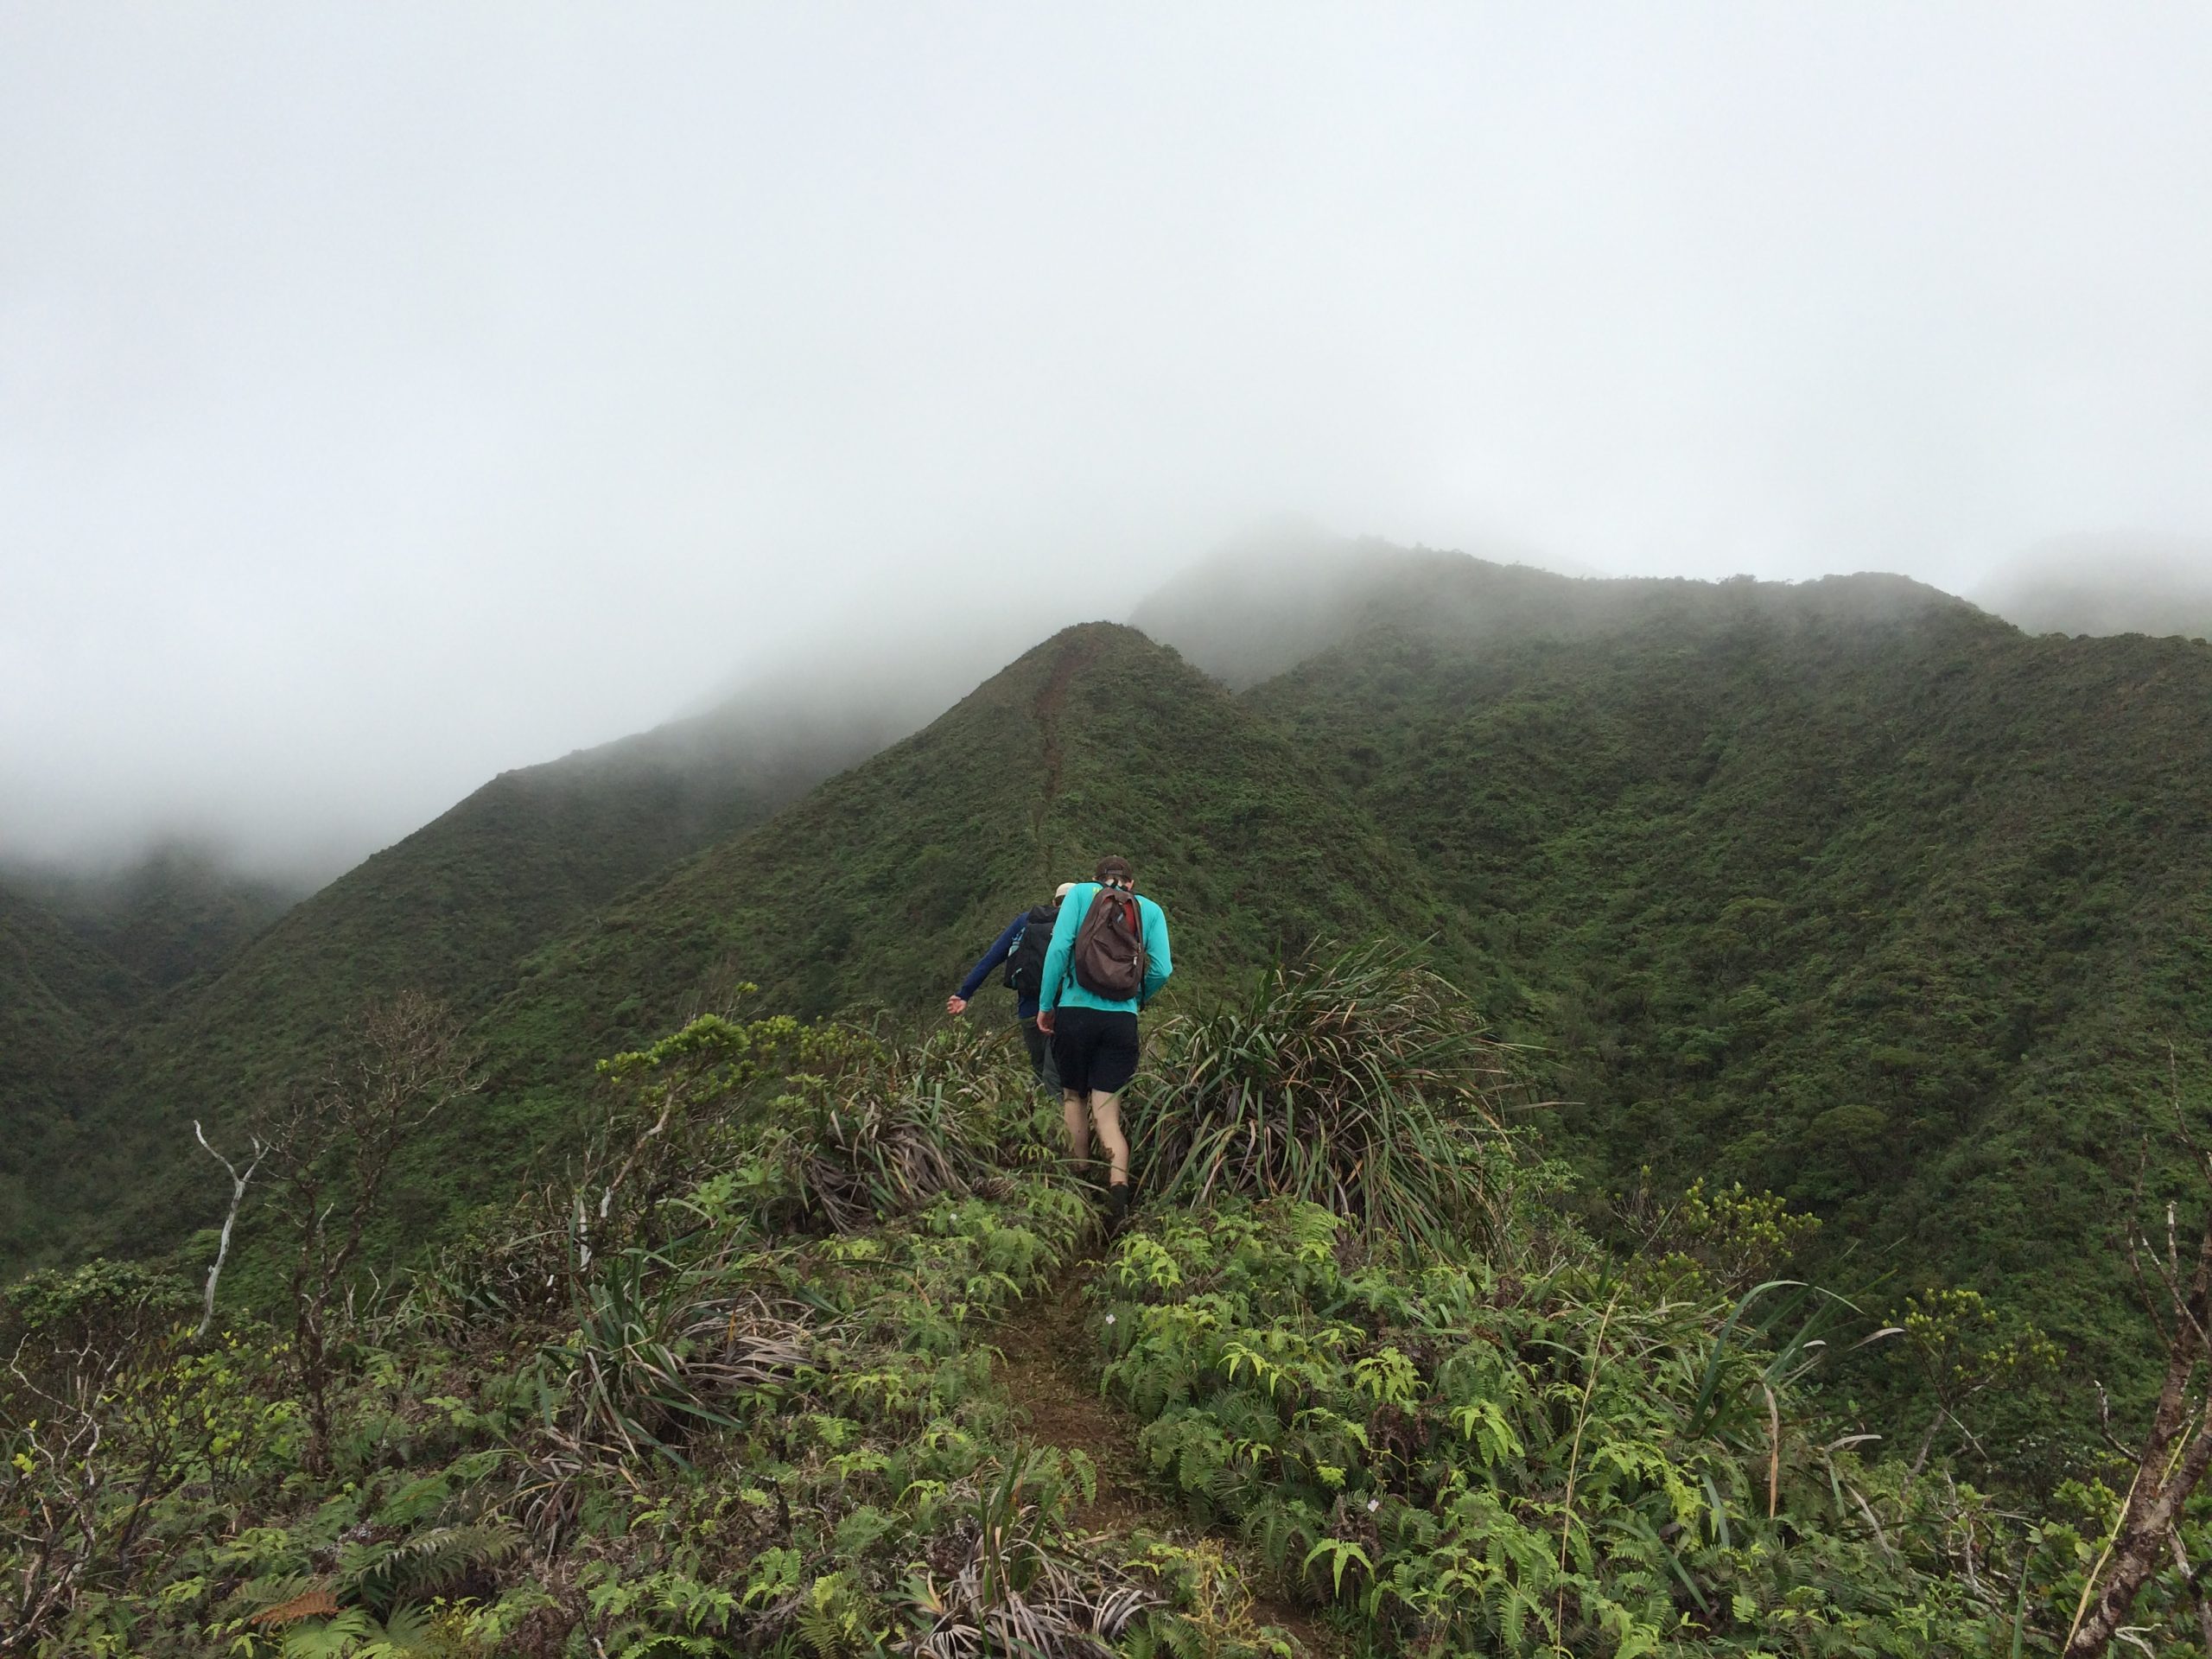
x,y
1117,1205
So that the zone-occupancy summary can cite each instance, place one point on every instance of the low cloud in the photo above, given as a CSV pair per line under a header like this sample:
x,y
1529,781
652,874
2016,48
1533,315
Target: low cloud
x,y
391,398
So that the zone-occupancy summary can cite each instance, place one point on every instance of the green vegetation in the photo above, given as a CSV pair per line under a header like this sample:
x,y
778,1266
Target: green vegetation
x,y
1251,1098
1876,903
879,888
447,911
729,1390
57,993
730,1385
1846,893
175,914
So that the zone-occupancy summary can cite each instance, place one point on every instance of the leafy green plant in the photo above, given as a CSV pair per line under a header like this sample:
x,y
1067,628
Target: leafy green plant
x,y
1493,1466
745,1398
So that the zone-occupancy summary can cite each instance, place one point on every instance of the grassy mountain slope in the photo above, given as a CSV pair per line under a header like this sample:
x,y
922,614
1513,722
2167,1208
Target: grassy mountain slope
x,y
1847,890
56,994
842,1365
1870,900
174,915
878,888
449,910
881,887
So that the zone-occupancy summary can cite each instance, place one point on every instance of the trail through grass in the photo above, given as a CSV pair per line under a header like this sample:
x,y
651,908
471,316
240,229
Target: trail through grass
x,y
1048,1366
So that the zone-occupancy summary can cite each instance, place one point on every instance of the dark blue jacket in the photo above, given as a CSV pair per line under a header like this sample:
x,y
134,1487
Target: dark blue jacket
x,y
1024,1008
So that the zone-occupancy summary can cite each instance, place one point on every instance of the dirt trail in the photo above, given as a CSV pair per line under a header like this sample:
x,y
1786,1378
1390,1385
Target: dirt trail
x,y
1051,700
1049,1368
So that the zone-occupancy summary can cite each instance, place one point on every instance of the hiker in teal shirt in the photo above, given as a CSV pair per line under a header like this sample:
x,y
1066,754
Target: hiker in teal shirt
x,y
1094,1035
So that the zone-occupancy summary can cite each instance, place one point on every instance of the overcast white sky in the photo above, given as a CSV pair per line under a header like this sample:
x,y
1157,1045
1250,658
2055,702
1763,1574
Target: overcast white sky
x,y
389,395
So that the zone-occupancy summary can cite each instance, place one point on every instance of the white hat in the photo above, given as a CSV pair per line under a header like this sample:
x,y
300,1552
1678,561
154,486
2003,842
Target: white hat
x,y
1064,889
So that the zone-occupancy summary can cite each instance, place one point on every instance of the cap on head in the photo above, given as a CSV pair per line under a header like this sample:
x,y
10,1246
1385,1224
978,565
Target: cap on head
x,y
1116,870
1064,889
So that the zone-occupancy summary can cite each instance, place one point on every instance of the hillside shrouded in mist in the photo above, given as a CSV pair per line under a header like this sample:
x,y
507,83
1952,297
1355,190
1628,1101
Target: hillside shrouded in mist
x,y
2107,584
1845,890
564,571
394,399
1800,884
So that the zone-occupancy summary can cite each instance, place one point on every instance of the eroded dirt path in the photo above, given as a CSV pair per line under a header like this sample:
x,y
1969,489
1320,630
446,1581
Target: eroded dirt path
x,y
1052,700
1049,1367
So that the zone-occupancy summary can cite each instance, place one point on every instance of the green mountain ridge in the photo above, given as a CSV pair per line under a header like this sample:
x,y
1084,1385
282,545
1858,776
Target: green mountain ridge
x,y
449,910
1846,889
879,888
1256,611
57,995
1897,914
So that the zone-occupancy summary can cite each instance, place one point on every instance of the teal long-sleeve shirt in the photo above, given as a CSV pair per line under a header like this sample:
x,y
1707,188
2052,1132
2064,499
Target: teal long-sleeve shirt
x,y
1060,990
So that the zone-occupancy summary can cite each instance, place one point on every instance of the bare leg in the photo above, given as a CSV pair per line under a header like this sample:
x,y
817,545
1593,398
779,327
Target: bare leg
x,y
1077,1120
1106,1113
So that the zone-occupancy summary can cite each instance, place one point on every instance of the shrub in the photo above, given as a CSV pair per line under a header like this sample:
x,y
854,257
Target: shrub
x,y
1363,1084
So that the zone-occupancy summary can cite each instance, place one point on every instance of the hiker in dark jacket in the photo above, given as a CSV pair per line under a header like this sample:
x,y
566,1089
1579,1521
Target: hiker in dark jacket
x,y
1107,958
1021,947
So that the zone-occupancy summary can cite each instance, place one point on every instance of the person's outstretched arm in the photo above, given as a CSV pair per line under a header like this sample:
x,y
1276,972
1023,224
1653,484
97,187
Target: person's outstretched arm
x,y
1057,955
1157,963
992,957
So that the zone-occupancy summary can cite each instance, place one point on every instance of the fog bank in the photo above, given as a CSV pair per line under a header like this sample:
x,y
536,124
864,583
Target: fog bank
x,y
393,397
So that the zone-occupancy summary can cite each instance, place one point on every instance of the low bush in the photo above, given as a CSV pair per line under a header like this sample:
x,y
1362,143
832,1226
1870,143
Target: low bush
x,y
1479,1462
1363,1084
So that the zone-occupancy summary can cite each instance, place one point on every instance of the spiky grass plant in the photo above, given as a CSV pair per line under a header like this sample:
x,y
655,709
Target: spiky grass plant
x,y
1362,1083
1014,1587
883,1128
660,1352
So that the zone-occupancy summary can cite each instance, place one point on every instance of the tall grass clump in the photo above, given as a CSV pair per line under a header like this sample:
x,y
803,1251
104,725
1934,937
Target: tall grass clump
x,y
1362,1083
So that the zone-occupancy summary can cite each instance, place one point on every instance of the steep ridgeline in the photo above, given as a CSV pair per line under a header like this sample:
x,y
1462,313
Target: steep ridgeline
x,y
880,887
449,910
1848,890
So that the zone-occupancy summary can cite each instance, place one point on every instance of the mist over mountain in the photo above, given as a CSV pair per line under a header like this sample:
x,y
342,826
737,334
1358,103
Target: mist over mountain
x,y
177,912
2160,585
564,571
1259,606
1845,890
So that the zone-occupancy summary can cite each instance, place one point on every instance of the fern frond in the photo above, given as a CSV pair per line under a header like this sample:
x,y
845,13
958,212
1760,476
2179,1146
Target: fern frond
x,y
418,1566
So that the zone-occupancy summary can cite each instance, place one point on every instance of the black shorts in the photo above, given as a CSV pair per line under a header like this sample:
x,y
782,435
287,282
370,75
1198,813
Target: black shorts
x,y
1096,1048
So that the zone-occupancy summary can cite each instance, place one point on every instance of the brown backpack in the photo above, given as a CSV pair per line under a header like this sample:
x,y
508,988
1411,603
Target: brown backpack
x,y
1109,946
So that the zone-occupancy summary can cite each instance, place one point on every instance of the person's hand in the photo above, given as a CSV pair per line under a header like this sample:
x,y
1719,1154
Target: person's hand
x,y
1045,1021
955,1005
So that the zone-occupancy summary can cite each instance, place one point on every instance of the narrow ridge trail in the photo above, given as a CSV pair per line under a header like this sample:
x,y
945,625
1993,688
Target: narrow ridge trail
x,y
1047,1363
1049,1369
1052,700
